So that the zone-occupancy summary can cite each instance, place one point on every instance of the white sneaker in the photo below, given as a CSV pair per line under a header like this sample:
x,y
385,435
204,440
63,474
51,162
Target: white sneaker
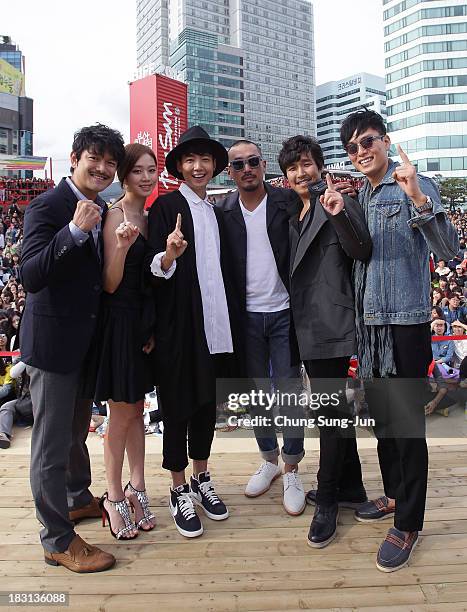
x,y
262,479
294,494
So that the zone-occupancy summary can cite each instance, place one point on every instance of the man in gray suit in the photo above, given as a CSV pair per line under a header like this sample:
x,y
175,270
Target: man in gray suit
x,y
61,270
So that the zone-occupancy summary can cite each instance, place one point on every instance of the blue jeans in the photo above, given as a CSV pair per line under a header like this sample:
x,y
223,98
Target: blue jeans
x,y
268,359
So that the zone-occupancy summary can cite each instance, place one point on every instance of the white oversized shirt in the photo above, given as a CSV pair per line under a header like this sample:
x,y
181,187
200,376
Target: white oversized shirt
x,y
265,291
208,267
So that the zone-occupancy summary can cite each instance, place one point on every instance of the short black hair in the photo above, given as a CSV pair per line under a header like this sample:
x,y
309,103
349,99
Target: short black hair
x,y
100,139
360,121
292,149
246,141
195,148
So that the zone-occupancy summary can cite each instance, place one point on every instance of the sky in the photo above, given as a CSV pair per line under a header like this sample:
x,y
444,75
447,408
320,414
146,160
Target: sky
x,y
80,56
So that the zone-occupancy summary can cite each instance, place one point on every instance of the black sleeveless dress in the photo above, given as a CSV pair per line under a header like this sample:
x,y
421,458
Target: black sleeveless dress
x,y
124,372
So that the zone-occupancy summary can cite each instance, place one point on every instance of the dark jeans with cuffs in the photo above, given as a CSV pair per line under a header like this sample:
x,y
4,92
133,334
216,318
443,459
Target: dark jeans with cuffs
x,y
268,361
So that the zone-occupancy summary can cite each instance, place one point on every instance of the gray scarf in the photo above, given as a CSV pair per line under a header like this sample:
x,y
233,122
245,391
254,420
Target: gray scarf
x,y
374,342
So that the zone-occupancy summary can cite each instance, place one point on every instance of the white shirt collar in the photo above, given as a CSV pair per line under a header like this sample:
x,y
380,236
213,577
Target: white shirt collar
x,y
191,196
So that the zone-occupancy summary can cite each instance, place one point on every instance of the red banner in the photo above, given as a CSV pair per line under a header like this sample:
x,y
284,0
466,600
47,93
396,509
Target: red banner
x,y
158,115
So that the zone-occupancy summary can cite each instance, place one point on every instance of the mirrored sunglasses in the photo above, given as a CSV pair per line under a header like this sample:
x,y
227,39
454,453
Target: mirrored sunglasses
x,y
366,143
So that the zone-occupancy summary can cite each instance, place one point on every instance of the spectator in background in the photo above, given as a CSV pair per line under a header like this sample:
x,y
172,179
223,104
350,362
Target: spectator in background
x,y
18,409
442,269
13,320
437,297
15,265
437,313
7,298
460,348
443,351
7,388
454,311
461,276
443,286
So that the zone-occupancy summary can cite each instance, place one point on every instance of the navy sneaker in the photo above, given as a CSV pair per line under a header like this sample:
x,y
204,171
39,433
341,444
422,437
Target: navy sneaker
x,y
183,512
203,494
344,499
396,550
375,510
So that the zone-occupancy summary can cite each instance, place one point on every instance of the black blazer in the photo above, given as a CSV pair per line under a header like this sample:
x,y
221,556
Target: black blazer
x,y
63,284
279,206
321,290
185,368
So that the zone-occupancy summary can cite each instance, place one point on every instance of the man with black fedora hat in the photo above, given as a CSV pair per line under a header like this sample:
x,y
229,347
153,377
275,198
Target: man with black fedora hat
x,y
194,316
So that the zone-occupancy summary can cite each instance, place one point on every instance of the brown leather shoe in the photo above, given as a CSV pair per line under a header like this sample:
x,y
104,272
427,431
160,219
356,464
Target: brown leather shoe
x,y
81,557
92,510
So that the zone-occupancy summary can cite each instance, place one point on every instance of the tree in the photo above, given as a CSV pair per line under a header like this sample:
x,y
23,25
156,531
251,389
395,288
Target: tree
x,y
453,192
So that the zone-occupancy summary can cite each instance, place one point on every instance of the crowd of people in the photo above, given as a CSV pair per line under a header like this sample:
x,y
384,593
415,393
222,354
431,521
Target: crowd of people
x,y
248,289
15,191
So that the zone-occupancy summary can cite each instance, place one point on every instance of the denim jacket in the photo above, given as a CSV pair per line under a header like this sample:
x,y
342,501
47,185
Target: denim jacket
x,y
397,290
443,350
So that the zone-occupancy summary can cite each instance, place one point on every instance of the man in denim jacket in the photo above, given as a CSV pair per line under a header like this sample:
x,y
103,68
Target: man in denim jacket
x,y
406,222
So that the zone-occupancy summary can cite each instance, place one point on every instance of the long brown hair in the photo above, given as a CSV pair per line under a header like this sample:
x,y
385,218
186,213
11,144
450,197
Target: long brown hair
x,y
133,152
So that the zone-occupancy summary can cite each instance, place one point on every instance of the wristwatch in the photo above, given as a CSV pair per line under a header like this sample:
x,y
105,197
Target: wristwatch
x,y
427,206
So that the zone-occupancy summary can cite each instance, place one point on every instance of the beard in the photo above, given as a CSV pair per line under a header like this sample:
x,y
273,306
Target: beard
x,y
251,186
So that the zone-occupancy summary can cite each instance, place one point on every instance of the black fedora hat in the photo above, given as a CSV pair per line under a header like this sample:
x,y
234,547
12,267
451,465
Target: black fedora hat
x,y
194,136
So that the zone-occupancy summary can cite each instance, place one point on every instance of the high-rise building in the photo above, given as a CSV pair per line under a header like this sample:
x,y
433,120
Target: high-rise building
x,y
249,66
337,99
425,47
16,110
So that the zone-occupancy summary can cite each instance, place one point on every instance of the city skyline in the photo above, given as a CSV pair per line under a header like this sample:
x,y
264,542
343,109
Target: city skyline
x,y
426,82
250,71
82,84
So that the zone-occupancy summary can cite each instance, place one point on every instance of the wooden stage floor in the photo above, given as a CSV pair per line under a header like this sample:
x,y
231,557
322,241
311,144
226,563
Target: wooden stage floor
x,y
256,560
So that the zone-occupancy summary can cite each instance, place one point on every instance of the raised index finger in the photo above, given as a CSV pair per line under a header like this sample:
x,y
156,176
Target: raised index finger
x,y
403,155
178,225
329,182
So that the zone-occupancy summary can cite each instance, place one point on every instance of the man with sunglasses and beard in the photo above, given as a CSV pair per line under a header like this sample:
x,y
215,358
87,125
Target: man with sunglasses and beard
x,y
406,222
257,221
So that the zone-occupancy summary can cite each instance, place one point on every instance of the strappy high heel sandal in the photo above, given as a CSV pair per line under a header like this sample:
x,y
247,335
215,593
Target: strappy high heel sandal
x,y
144,503
122,508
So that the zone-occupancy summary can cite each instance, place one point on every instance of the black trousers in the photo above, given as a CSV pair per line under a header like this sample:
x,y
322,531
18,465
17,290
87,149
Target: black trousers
x,y
198,431
192,437
400,425
339,463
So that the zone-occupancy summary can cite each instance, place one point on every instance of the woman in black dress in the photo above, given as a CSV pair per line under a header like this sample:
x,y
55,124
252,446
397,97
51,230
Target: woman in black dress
x,y
126,341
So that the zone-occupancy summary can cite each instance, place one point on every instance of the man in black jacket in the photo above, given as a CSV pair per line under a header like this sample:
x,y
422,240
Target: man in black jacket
x,y
61,270
327,233
257,226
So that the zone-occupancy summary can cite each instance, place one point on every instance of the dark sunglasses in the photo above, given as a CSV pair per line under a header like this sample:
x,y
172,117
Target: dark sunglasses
x,y
239,164
366,143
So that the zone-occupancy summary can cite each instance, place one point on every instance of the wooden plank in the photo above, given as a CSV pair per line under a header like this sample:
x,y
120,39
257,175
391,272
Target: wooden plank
x,y
251,602
332,560
202,549
256,560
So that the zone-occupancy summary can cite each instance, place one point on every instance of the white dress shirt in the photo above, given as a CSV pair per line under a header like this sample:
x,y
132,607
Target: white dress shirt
x,y
208,267
265,291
